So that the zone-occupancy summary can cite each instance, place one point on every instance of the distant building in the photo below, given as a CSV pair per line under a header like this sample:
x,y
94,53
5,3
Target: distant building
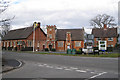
x,y
118,35
89,41
62,39
22,39
106,34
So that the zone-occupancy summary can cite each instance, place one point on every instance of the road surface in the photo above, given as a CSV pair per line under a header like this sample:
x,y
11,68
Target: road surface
x,y
40,66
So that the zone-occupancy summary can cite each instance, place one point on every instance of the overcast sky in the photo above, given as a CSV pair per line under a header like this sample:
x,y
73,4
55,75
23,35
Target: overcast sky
x,y
62,13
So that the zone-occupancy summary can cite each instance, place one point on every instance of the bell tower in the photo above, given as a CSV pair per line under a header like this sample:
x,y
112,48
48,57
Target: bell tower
x,y
51,32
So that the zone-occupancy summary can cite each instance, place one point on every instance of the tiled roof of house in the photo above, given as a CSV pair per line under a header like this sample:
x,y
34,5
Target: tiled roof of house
x,y
102,33
17,34
76,34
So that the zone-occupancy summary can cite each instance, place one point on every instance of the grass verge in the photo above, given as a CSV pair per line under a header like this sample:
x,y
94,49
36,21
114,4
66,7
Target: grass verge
x,y
112,55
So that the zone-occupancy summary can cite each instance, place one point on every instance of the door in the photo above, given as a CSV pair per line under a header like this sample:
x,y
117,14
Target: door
x,y
50,47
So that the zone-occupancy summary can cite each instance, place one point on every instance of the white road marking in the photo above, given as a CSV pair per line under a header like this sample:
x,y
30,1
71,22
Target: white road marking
x,y
81,71
45,64
58,68
68,69
98,75
73,68
40,65
49,66
92,72
64,67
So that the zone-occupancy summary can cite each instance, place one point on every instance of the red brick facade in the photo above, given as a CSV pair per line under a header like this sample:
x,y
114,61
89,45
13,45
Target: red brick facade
x,y
40,40
110,43
61,45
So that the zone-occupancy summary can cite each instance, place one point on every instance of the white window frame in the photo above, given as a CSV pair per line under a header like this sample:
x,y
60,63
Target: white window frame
x,y
110,39
7,43
38,44
50,36
60,44
4,44
98,39
14,43
50,29
110,45
10,43
77,43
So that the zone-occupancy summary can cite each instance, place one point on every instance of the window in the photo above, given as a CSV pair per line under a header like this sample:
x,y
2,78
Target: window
x,y
4,44
97,39
38,44
7,44
29,43
14,44
60,44
78,44
50,29
110,39
50,36
10,43
110,45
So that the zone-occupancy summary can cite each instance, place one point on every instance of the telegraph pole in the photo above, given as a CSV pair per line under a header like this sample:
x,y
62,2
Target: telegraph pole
x,y
35,25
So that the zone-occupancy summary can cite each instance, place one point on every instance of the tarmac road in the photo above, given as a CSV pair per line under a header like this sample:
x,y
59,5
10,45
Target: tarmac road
x,y
38,66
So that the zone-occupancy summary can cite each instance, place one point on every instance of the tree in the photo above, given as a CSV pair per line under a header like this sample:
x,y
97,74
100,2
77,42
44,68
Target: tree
x,y
100,20
5,24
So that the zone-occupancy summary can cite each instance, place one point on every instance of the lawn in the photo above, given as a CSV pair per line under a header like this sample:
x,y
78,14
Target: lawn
x,y
112,55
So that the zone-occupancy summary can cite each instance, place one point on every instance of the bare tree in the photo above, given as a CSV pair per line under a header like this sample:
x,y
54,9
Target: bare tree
x,y
100,20
5,24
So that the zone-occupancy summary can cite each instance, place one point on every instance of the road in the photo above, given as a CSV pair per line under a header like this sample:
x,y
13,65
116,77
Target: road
x,y
57,66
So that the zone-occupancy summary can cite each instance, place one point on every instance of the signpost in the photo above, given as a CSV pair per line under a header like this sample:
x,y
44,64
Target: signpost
x,y
102,45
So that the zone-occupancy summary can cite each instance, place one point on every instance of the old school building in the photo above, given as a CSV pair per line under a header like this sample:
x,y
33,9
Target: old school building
x,y
22,39
62,39
59,39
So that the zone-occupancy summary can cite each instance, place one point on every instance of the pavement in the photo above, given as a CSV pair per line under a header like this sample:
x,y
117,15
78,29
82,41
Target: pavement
x,y
55,67
10,64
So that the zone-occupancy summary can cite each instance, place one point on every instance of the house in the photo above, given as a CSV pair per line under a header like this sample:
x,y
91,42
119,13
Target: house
x,y
22,39
118,35
62,39
106,34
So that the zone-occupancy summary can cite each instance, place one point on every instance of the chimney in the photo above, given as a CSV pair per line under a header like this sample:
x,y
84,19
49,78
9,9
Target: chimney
x,y
38,24
105,27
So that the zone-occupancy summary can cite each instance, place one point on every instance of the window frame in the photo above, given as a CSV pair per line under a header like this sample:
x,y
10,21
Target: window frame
x,y
110,39
60,44
77,43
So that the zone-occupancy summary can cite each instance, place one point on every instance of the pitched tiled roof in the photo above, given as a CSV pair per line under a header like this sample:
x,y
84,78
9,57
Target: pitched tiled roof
x,y
77,34
102,33
19,34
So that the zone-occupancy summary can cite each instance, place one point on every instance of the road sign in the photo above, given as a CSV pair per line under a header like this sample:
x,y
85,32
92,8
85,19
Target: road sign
x,y
102,45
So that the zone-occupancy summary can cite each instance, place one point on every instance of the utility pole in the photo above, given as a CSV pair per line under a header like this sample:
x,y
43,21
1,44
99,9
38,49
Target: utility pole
x,y
35,25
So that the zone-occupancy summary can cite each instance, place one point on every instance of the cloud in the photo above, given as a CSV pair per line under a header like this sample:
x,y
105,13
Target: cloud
x,y
63,13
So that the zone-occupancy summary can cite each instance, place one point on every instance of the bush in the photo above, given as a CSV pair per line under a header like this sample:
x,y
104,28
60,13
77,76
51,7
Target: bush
x,y
110,49
78,52
10,48
53,49
27,49
46,49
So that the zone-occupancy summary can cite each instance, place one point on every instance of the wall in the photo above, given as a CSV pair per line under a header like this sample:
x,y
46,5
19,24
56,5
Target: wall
x,y
108,42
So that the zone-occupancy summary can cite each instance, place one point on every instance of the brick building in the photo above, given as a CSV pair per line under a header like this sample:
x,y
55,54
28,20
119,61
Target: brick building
x,y
22,39
62,39
107,34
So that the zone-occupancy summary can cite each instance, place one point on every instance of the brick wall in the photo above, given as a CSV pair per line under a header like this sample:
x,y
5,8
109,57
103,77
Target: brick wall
x,y
108,42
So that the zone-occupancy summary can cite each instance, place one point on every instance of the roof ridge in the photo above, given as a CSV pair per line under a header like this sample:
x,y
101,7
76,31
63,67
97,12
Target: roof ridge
x,y
21,28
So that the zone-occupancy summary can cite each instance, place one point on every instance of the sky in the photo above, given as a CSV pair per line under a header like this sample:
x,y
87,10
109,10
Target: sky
x,y
62,13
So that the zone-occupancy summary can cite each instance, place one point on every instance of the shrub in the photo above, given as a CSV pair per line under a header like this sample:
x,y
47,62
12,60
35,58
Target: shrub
x,y
53,49
78,52
46,49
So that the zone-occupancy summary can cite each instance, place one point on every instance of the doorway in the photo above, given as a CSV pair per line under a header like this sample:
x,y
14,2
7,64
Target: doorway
x,y
50,47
